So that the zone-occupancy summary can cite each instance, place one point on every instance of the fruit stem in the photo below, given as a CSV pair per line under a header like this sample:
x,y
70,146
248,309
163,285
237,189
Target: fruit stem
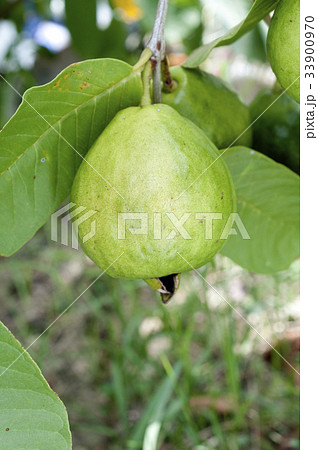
x,y
144,58
146,79
157,45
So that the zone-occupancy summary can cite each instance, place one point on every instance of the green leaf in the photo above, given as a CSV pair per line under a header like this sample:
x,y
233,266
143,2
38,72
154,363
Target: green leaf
x,y
253,44
258,11
81,21
90,41
42,144
268,204
156,408
32,417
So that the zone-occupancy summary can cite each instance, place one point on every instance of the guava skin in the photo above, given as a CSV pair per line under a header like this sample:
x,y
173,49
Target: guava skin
x,y
283,46
207,102
276,133
150,155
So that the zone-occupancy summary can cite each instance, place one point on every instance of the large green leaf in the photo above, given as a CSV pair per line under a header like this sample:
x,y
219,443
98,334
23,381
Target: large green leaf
x,y
32,416
42,144
258,11
87,38
81,22
268,204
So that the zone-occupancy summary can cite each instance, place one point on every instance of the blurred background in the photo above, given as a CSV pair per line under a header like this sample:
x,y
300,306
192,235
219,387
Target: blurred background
x,y
132,372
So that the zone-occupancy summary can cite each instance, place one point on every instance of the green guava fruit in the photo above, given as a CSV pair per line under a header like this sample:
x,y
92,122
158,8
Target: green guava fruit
x,y
132,181
283,46
276,131
207,102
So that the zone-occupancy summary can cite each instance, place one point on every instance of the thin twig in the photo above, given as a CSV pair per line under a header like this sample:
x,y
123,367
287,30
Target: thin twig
x,y
157,82
157,45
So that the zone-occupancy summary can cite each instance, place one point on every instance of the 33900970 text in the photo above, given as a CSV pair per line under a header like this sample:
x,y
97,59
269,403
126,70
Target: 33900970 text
x,y
311,100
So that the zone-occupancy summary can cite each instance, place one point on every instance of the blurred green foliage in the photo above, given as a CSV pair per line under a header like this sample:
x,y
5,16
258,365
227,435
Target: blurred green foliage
x,y
101,28
97,28
121,360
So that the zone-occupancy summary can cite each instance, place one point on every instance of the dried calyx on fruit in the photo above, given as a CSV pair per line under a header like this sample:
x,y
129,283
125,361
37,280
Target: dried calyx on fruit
x,y
161,197
210,104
